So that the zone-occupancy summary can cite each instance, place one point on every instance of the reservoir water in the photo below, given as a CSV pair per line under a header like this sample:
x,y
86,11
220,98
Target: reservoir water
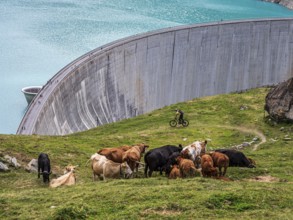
x,y
39,37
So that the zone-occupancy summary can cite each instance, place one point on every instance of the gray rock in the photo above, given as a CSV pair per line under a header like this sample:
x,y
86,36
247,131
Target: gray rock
x,y
245,144
12,161
32,166
279,101
15,163
255,139
3,167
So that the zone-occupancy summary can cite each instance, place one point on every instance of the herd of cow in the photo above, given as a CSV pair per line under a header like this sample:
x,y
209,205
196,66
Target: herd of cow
x,y
174,161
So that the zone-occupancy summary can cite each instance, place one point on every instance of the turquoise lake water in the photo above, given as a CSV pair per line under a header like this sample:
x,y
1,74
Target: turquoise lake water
x,y
39,37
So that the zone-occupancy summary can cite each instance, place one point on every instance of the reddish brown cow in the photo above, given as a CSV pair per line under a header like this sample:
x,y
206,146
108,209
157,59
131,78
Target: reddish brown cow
x,y
133,155
207,166
221,161
187,167
175,172
114,154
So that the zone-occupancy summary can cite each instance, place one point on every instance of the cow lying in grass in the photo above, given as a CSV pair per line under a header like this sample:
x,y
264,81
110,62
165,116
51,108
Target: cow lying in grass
x,y
237,158
67,179
105,168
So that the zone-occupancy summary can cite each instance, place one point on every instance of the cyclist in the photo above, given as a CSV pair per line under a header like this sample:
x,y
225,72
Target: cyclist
x,y
180,113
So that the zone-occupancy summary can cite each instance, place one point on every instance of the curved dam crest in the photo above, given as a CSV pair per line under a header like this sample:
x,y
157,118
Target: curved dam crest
x,y
138,74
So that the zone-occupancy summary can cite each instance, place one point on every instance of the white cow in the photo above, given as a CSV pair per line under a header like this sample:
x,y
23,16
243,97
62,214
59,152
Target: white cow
x,y
195,150
105,168
67,179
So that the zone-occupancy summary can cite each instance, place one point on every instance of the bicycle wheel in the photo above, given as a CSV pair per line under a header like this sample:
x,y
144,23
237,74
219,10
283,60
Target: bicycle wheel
x,y
173,123
185,123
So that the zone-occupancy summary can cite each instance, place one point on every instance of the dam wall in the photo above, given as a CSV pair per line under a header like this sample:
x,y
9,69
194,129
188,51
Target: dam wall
x,y
144,72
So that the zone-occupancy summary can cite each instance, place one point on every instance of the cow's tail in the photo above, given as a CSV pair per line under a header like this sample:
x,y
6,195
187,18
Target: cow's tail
x,y
91,158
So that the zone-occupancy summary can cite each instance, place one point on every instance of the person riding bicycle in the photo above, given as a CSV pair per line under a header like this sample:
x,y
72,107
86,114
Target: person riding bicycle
x,y
180,113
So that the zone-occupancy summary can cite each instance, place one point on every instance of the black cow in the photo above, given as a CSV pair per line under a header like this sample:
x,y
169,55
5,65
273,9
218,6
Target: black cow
x,y
171,161
44,166
237,158
156,159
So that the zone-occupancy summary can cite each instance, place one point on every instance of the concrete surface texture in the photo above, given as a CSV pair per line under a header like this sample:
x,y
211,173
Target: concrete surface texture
x,y
138,74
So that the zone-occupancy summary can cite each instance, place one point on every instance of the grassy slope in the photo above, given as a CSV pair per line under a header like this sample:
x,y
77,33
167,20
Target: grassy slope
x,y
23,196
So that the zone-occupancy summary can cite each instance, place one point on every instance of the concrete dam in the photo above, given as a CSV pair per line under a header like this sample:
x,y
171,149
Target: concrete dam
x,y
144,72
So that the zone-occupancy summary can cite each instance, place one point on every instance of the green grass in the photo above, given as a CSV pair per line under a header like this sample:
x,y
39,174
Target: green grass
x,y
217,119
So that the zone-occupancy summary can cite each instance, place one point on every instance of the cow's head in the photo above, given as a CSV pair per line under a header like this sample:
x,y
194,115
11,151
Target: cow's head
x,y
185,154
126,171
142,147
197,161
252,163
70,168
203,147
214,172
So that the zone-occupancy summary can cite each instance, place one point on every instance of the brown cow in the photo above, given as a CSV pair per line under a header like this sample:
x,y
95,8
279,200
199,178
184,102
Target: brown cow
x,y
221,161
114,154
187,167
175,172
207,166
133,155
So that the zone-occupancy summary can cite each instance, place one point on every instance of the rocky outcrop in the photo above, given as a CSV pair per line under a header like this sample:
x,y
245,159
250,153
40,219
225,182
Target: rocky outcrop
x,y
32,167
279,101
286,3
3,167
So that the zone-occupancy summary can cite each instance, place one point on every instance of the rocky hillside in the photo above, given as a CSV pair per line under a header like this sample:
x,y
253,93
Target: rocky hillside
x,y
286,3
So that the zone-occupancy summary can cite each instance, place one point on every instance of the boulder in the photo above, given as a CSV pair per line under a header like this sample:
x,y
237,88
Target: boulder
x,y
3,167
12,161
32,166
279,101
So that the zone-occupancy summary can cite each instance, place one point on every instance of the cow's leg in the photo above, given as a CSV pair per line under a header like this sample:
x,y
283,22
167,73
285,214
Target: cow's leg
x,y
146,170
225,169
39,167
94,177
150,173
220,169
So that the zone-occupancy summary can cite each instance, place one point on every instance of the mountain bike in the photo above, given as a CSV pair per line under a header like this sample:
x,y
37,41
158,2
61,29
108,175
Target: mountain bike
x,y
175,121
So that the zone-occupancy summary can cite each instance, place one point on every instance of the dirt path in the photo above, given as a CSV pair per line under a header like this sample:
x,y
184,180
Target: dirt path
x,y
249,131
